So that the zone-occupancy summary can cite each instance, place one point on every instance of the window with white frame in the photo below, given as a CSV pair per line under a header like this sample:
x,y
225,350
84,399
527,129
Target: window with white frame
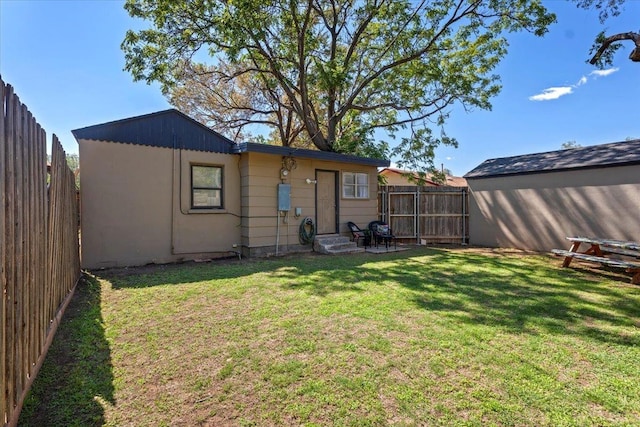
x,y
206,187
355,185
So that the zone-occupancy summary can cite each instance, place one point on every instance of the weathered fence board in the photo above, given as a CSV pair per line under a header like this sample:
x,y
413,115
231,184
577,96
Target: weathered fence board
x,y
3,255
426,214
39,254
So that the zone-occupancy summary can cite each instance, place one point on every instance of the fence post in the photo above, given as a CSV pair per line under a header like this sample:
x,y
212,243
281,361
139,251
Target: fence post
x,y
464,216
416,214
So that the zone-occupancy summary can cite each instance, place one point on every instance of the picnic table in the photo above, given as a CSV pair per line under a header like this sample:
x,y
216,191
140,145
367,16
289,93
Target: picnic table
x,y
605,252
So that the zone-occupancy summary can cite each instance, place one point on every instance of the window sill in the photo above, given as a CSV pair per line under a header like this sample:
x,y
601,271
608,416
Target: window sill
x,y
207,211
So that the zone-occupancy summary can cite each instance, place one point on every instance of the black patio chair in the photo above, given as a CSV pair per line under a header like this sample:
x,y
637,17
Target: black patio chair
x,y
381,233
358,234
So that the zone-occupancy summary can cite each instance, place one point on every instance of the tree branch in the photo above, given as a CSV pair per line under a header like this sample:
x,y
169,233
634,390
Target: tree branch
x,y
635,54
409,57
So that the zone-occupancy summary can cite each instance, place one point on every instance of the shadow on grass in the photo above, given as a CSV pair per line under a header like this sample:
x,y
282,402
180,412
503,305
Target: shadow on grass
x,y
287,266
523,293
76,378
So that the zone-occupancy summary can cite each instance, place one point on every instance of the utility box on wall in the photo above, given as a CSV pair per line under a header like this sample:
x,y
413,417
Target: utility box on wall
x,y
284,197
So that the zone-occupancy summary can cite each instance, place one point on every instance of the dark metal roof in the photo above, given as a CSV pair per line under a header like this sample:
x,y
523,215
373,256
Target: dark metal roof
x,y
173,129
168,128
248,147
596,156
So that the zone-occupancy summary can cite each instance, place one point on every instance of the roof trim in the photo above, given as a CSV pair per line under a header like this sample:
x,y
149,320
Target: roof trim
x,y
250,147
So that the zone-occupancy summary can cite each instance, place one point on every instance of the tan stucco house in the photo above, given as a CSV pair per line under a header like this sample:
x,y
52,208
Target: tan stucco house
x,y
163,188
534,201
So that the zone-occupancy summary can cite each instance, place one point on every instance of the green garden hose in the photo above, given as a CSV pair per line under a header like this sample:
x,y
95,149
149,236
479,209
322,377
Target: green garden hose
x,y
306,237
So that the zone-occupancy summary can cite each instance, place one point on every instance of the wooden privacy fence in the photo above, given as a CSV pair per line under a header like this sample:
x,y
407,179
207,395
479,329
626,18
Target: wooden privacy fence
x,y
426,214
39,256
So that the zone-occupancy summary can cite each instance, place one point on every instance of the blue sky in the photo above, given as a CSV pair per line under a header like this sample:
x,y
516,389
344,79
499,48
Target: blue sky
x,y
63,59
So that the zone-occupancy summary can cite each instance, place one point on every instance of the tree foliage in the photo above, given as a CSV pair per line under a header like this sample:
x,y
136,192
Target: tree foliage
x,y
570,144
605,8
335,73
73,161
605,46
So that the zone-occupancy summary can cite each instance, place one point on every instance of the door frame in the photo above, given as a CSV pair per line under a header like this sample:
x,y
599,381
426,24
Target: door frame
x,y
336,195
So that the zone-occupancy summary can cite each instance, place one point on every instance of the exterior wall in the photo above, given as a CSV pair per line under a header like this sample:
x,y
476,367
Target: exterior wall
x,y
263,230
135,206
537,211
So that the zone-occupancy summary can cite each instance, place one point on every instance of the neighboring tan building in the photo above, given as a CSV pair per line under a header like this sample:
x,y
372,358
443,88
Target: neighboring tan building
x,y
534,201
394,176
164,188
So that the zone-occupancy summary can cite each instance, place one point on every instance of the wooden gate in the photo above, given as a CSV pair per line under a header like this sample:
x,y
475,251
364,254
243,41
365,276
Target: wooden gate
x,y
426,214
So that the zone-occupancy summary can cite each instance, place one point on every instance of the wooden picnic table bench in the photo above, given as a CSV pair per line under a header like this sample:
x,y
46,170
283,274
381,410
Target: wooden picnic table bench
x,y
600,251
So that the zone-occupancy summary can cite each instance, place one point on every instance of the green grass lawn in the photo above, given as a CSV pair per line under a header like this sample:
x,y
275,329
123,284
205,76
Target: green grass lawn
x,y
422,337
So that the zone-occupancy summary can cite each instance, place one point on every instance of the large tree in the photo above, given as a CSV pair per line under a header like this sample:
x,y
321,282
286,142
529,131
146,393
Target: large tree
x,y
236,104
333,73
605,46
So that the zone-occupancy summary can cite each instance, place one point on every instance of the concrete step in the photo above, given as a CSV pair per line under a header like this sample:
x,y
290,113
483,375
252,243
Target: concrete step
x,y
339,246
335,244
331,239
353,250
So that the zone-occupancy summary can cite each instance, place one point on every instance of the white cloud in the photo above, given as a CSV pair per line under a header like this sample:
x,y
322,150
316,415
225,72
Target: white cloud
x,y
556,92
603,73
552,93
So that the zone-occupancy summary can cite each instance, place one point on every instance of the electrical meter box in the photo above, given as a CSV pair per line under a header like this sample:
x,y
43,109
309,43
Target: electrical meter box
x,y
284,197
